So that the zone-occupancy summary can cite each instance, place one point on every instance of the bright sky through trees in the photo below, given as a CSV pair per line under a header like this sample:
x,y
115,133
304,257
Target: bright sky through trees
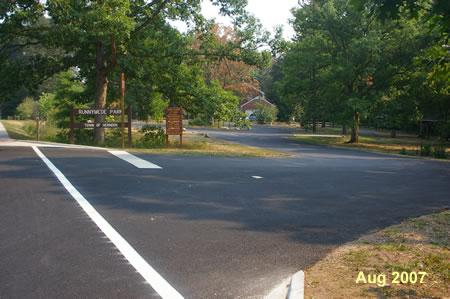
x,y
270,13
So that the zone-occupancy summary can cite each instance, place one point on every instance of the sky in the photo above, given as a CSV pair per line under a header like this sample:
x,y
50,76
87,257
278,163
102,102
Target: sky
x,y
269,12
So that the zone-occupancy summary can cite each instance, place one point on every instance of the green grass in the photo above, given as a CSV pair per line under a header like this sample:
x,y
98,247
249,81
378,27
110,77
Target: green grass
x,y
193,143
26,130
230,150
393,247
321,131
418,223
383,145
16,129
358,257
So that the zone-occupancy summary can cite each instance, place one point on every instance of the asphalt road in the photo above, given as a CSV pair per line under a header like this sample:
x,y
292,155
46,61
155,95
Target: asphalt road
x,y
204,223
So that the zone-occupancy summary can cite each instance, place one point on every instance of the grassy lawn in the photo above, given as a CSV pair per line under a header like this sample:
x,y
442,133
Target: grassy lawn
x,y
403,144
417,246
17,129
193,143
321,131
201,144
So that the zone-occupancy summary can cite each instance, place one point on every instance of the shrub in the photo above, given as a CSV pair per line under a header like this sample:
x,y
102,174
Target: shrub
x,y
153,136
265,114
243,123
200,120
403,151
425,149
439,151
443,129
82,136
241,120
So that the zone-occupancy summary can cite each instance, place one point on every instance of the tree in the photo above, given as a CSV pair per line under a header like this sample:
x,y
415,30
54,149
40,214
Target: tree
x,y
68,91
268,78
233,75
107,37
47,107
343,62
265,114
435,15
28,109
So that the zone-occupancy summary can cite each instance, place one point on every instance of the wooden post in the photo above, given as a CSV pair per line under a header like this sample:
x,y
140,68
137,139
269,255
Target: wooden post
x,y
167,140
72,130
122,106
37,129
129,126
181,127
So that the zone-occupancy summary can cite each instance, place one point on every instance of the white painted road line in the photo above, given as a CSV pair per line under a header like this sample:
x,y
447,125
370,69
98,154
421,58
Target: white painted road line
x,y
157,282
257,177
138,162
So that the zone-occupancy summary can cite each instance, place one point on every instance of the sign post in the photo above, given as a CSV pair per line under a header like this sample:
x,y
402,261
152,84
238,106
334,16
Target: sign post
x,y
37,129
72,128
129,126
122,107
92,125
174,123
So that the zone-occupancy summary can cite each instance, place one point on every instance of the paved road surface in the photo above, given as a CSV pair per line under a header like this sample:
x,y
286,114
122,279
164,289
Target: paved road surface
x,y
204,223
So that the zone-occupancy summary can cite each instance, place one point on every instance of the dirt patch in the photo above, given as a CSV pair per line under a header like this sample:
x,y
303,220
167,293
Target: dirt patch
x,y
408,260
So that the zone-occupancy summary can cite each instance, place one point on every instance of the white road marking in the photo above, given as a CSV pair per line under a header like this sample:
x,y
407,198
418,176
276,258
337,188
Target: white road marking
x,y
138,162
157,282
257,177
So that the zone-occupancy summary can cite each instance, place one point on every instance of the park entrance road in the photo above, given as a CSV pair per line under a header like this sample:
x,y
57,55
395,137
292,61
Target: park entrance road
x,y
204,223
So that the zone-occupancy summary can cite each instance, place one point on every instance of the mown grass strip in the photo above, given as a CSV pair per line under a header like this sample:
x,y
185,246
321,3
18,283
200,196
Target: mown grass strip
x,y
194,144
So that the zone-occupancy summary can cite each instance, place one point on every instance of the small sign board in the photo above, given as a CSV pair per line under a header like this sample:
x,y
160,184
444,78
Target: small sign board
x,y
174,123
97,111
98,125
91,125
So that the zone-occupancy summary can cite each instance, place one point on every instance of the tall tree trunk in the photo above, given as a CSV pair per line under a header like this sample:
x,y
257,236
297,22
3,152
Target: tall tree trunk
x,y
101,84
314,128
344,130
324,124
355,129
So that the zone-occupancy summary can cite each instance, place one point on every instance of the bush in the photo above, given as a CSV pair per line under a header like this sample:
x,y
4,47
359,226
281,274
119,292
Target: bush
x,y
403,151
443,129
425,150
243,123
82,136
200,120
30,129
154,136
265,114
439,151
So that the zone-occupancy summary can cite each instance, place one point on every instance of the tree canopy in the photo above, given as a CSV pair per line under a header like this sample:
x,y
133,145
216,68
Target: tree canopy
x,y
104,38
347,64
